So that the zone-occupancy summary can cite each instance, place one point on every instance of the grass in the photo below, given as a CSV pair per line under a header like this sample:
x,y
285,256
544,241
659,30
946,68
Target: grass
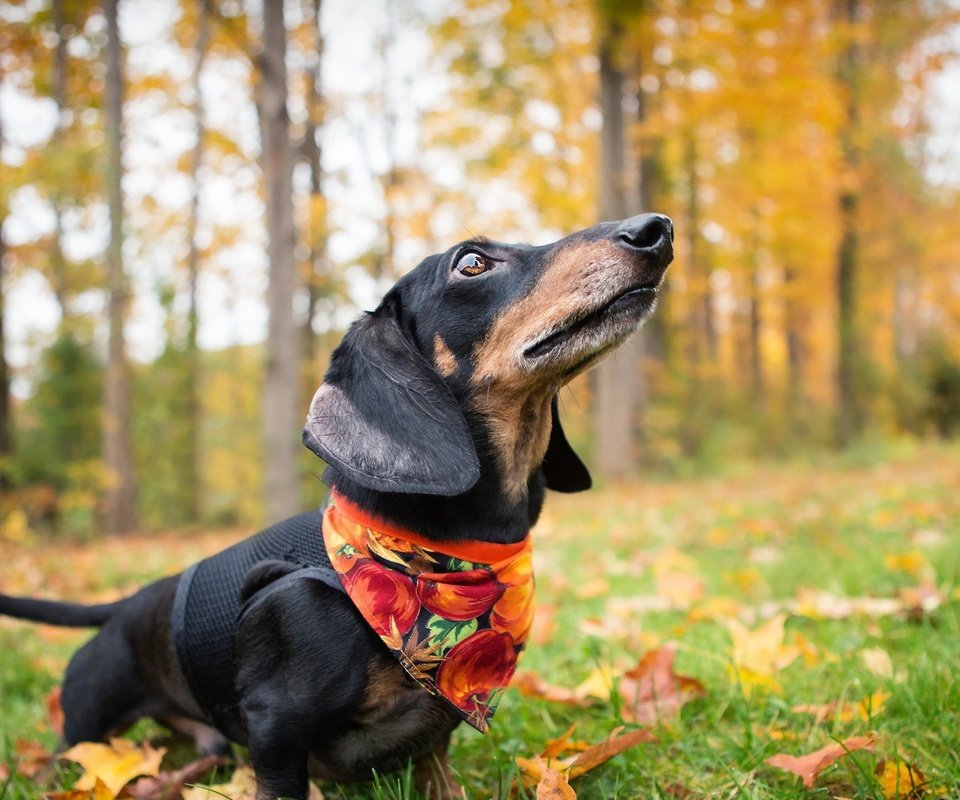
x,y
754,541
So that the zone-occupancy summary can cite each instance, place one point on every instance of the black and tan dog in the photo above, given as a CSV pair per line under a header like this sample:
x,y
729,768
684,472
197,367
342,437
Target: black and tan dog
x,y
438,419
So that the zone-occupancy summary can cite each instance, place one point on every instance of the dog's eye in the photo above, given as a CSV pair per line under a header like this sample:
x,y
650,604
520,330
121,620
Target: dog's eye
x,y
471,264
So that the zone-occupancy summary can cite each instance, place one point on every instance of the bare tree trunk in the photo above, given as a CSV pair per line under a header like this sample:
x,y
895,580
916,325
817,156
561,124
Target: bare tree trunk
x,y
57,260
194,473
849,411
618,379
6,426
704,347
120,504
792,321
314,157
282,415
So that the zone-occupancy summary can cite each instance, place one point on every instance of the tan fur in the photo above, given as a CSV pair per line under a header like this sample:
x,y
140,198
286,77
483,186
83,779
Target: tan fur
x,y
516,403
443,358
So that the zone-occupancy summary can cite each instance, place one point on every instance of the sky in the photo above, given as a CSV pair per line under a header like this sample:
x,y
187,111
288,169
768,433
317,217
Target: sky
x,y
231,292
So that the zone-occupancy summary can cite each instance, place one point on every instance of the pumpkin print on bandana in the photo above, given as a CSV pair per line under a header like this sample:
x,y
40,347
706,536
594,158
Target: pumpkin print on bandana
x,y
455,614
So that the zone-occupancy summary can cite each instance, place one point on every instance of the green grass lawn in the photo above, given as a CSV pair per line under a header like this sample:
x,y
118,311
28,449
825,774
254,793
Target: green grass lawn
x,y
624,569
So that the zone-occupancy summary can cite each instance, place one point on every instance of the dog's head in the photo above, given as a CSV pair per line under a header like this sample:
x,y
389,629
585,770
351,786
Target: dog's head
x,y
460,365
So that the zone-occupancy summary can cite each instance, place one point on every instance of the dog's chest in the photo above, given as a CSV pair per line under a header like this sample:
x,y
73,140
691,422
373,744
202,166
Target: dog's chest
x,y
398,720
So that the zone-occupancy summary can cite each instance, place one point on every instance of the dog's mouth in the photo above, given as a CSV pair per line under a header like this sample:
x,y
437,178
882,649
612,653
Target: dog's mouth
x,y
597,329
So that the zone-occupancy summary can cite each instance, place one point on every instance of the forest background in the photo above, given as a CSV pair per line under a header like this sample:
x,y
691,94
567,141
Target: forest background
x,y
197,197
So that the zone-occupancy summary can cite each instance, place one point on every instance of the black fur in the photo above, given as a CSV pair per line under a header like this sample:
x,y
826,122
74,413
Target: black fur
x,y
410,440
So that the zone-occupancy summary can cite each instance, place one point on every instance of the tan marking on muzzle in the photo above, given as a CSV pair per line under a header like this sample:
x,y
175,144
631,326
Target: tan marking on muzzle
x,y
443,358
514,401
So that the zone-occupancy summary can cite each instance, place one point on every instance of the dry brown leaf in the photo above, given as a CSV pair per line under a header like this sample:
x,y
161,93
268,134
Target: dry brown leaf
x,y
809,766
846,711
529,684
168,785
607,749
30,758
54,710
115,764
899,781
652,691
98,792
555,747
554,786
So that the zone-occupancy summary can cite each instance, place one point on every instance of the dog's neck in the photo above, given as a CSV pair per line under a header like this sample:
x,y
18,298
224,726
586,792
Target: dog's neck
x,y
487,511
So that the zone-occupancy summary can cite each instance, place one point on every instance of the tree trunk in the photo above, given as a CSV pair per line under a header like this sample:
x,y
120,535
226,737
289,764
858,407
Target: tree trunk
x,y
58,277
194,475
120,504
282,415
849,411
704,346
6,427
618,379
792,322
314,157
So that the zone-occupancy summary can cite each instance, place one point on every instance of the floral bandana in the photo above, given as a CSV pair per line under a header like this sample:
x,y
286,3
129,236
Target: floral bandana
x,y
455,614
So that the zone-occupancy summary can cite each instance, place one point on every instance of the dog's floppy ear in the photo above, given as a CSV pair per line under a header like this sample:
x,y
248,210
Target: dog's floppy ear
x,y
564,470
385,419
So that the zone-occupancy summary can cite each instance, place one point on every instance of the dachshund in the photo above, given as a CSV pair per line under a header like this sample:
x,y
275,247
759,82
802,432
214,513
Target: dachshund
x,y
357,637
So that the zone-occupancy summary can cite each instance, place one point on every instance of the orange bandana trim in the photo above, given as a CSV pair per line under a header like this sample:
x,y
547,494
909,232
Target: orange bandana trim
x,y
455,614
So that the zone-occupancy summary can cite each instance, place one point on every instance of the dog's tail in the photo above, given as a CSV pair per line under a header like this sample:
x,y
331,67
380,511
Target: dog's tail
x,y
54,612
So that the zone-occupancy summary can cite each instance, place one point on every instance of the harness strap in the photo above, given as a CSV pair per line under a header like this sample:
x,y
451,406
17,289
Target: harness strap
x,y
323,574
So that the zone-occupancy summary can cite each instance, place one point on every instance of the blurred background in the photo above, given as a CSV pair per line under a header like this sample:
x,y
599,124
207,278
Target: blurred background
x,y
197,196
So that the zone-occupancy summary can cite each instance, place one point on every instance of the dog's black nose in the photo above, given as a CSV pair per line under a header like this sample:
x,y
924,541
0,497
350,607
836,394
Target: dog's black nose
x,y
648,233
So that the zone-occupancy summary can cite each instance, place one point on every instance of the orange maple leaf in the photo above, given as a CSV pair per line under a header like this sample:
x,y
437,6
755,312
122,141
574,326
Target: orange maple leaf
x,y
809,766
652,691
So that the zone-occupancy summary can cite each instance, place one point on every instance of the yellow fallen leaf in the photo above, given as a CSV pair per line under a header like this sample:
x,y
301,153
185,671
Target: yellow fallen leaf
x,y
115,764
598,684
898,780
912,562
758,655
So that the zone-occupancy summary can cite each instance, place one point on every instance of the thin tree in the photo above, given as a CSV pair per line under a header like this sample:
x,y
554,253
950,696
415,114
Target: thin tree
x,y
192,350
6,428
849,410
618,379
282,415
120,502
313,155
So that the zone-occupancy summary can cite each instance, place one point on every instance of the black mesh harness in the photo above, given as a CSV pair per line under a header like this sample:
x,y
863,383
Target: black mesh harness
x,y
207,608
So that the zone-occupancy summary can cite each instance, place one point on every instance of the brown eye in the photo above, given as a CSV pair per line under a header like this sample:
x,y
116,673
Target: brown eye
x,y
471,264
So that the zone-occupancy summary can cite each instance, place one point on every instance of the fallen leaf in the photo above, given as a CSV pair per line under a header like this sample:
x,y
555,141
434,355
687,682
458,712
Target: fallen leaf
x,y
30,758
652,691
878,661
809,766
613,745
555,747
680,589
899,781
529,684
912,562
599,587
598,684
54,710
554,786
168,785
532,770
99,791
241,786
865,709
115,764
920,601
758,655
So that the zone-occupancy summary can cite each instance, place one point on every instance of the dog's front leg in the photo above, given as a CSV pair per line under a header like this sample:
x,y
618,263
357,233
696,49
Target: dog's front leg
x,y
279,761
